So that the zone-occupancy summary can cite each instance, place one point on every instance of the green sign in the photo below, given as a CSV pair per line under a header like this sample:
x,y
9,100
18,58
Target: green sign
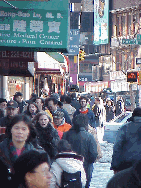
x,y
129,41
34,29
138,37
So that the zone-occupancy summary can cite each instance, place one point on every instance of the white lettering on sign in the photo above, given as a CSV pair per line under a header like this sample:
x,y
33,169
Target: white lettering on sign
x,y
35,15
4,35
8,41
43,42
36,26
19,25
59,15
28,41
5,27
9,14
42,36
22,14
18,35
54,27
49,15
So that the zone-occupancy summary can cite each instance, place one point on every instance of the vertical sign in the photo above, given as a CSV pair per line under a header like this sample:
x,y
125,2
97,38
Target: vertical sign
x,y
101,22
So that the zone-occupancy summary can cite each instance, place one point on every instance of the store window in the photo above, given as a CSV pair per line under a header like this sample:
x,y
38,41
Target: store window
x,y
129,24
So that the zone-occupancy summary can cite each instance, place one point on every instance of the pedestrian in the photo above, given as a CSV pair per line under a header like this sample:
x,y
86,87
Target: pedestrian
x,y
19,138
12,109
67,161
47,135
127,150
100,117
32,110
128,178
59,122
84,110
18,97
110,110
3,105
40,103
67,106
32,170
52,104
119,106
83,143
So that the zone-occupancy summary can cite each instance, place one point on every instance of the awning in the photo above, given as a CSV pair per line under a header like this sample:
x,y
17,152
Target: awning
x,y
57,56
15,67
48,71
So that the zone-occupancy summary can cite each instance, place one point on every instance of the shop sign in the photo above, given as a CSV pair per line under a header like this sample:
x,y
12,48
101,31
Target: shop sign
x,y
36,29
29,56
16,67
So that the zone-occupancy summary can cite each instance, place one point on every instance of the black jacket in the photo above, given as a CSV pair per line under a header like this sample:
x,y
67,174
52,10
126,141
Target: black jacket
x,y
82,143
48,138
128,178
4,148
127,148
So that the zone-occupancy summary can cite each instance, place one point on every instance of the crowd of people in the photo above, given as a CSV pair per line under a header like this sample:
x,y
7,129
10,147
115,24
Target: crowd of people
x,y
45,140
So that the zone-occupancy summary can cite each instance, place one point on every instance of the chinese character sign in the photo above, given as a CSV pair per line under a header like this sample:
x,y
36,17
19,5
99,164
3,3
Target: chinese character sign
x,y
74,42
35,29
101,21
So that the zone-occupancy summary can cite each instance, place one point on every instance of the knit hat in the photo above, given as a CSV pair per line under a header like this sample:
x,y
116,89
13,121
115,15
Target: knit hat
x,y
58,115
12,104
28,162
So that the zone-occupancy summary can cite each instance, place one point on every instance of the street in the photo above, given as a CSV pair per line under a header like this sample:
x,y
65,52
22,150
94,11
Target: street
x,y
102,172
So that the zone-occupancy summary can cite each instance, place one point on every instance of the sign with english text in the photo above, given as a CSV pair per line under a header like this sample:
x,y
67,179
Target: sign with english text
x,y
34,29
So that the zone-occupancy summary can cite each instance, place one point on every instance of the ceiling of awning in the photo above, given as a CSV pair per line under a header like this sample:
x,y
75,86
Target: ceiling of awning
x,y
57,56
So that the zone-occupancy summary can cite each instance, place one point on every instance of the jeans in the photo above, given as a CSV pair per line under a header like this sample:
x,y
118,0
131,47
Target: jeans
x,y
89,170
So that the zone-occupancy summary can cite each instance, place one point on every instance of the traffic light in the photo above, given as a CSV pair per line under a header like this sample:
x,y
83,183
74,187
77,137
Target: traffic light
x,y
81,55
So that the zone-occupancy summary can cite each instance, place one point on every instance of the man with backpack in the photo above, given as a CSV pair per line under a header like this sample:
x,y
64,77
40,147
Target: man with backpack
x,y
67,169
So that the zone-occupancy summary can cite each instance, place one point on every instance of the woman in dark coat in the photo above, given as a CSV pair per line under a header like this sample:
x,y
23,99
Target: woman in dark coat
x,y
47,135
19,139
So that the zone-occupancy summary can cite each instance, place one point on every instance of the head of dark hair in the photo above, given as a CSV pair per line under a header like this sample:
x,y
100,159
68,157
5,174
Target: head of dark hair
x,y
83,97
81,120
55,101
42,100
62,98
136,112
18,118
68,99
28,162
31,102
64,146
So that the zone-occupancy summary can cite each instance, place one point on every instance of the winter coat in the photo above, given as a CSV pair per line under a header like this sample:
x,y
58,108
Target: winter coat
x,y
91,117
109,113
128,178
119,107
127,147
69,164
5,122
99,113
70,109
48,138
63,127
82,143
4,148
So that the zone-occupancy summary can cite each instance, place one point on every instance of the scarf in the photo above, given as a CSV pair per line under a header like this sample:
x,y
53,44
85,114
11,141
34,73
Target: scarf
x,y
13,151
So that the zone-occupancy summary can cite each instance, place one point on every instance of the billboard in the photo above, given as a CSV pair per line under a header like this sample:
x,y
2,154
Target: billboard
x,y
101,22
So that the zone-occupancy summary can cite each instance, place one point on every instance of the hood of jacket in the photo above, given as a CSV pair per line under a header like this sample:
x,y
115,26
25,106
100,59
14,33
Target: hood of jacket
x,y
69,164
